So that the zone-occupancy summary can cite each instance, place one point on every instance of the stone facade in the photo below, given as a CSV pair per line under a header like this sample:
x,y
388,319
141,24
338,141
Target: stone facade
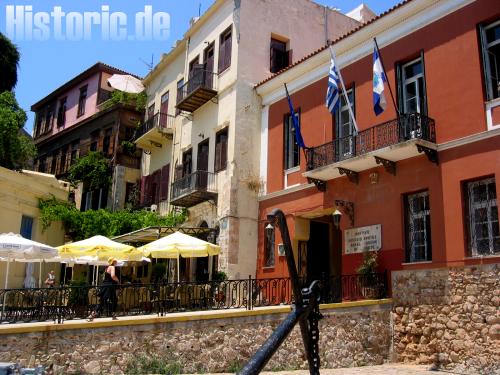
x,y
352,336
448,317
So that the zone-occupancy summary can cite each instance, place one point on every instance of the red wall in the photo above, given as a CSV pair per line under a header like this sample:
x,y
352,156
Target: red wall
x,y
455,97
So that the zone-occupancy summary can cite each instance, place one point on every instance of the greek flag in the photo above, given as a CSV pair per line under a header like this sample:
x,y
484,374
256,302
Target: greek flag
x,y
332,93
379,102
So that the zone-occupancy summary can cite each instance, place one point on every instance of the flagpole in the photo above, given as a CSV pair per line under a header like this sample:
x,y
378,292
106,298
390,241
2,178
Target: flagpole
x,y
386,78
344,91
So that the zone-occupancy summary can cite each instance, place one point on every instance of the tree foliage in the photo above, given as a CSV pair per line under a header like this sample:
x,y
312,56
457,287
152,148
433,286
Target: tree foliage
x,y
16,148
9,61
80,225
93,169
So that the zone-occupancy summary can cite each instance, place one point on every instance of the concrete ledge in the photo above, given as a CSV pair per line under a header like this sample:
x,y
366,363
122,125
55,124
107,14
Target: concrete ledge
x,y
8,329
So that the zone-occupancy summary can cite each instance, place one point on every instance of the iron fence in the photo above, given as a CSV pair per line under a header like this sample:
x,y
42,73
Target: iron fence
x,y
407,126
161,121
79,302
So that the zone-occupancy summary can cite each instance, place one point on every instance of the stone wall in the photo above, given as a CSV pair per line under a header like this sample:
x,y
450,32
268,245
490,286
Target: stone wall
x,y
448,317
351,336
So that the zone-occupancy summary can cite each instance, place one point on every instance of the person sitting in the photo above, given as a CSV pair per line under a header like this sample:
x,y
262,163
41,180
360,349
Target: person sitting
x,y
50,282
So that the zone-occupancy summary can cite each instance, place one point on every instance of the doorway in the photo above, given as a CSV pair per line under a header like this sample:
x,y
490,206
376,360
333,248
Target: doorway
x,y
202,164
318,251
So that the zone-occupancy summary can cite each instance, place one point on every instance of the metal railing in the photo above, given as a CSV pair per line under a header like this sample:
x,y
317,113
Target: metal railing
x,y
161,121
78,302
406,127
197,181
199,79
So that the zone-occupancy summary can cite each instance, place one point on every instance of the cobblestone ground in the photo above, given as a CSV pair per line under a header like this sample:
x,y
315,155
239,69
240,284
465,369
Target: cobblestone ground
x,y
389,369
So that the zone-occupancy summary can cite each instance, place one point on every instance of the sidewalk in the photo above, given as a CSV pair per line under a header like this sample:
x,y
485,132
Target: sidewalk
x,y
388,369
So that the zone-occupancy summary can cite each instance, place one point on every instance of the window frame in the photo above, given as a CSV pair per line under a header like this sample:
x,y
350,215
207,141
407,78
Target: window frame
x,y
489,90
225,39
82,100
402,82
288,130
411,255
220,159
471,220
274,67
269,260
345,142
61,113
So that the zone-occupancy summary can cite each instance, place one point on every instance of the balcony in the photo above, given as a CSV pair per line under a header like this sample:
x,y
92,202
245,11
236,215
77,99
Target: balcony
x,y
194,188
387,143
155,130
200,88
128,161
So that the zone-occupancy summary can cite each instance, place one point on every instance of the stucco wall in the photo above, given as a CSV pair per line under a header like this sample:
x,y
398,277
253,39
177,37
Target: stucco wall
x,y
19,194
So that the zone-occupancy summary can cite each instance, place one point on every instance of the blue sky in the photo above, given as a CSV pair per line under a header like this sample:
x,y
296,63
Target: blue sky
x,y
45,65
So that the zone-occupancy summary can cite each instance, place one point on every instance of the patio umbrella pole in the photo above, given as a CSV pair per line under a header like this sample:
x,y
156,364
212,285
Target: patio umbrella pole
x,y
5,287
178,268
40,275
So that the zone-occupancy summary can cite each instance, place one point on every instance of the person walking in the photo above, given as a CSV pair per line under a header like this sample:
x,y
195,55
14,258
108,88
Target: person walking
x,y
107,292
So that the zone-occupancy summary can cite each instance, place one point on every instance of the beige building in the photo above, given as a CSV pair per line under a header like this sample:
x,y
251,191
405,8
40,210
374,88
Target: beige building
x,y
19,213
201,137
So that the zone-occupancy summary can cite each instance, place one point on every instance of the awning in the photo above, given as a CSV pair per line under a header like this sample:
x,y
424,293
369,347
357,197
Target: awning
x,y
149,234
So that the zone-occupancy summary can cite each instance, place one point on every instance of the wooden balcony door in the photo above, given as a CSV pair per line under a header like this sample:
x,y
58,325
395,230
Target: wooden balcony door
x,y
202,164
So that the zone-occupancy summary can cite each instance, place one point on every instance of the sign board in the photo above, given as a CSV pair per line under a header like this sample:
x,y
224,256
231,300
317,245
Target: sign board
x,y
362,239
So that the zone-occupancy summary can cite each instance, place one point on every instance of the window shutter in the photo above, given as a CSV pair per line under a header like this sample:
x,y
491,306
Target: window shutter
x,y
289,55
147,190
143,190
222,55
424,101
164,182
218,147
399,83
223,152
179,172
485,60
228,50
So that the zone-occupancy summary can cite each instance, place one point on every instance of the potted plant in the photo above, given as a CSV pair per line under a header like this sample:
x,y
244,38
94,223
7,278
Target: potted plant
x,y
367,272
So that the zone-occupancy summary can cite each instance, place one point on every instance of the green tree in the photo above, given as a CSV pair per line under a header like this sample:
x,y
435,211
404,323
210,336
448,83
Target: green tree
x,y
93,169
16,148
9,61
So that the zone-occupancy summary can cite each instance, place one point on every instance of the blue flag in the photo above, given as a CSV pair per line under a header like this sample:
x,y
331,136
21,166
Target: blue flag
x,y
296,126
332,93
379,102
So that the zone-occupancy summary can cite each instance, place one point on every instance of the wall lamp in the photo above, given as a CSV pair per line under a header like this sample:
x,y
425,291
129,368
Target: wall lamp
x,y
347,207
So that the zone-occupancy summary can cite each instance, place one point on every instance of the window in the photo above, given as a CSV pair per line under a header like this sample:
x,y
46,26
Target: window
x,y
151,111
75,148
49,115
269,248
292,150
280,57
106,142
225,49
411,88
53,163
418,227
482,217
61,114
62,164
180,87
490,43
187,162
344,129
94,140
26,227
220,150
81,101
42,164
164,111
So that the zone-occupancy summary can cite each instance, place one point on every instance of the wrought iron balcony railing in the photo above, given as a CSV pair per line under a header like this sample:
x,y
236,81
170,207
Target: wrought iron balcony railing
x,y
160,121
200,88
194,188
406,127
77,302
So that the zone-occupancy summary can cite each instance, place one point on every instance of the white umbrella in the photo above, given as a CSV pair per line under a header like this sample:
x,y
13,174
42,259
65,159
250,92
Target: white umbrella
x,y
14,247
126,82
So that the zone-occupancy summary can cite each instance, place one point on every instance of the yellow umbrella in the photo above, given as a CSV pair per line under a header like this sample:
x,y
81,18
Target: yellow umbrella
x,y
179,245
100,247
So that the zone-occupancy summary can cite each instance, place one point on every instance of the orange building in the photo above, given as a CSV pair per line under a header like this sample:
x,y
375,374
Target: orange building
x,y
419,188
